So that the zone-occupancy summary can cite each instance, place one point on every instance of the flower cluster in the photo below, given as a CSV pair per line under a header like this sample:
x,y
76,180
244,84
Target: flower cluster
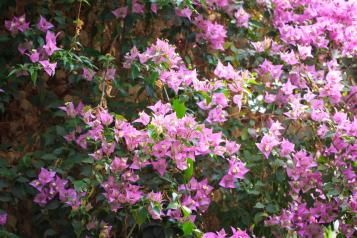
x,y
167,145
254,115
212,32
17,24
42,54
320,22
49,185
236,233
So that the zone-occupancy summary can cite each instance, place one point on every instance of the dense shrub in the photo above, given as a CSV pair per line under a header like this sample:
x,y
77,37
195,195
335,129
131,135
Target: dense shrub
x,y
178,118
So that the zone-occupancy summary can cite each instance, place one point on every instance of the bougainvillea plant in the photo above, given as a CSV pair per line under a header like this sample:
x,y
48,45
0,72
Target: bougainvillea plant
x,y
145,118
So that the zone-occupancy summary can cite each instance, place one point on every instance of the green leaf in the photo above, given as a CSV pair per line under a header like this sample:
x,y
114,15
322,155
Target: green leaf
x,y
6,234
173,205
49,157
259,217
186,211
154,75
135,71
33,74
80,185
140,215
174,196
187,174
179,108
187,228
259,205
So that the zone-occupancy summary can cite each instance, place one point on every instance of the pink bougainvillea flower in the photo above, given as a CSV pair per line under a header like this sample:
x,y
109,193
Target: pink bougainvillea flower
x,y
44,25
237,100
17,24
239,233
108,147
262,46
304,51
130,176
289,58
268,67
51,46
105,117
143,118
71,110
3,218
160,166
133,194
137,7
214,33
286,147
48,67
218,234
213,235
118,164
217,115
88,74
41,198
153,8
130,57
46,176
232,147
242,17
275,129
184,12
237,169
120,12
218,3
219,99
318,112
161,109
34,56
109,74
155,197
227,181
267,144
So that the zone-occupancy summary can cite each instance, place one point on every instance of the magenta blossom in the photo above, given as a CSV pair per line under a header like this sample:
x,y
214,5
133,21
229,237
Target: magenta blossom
x,y
88,74
120,12
286,147
242,17
105,117
109,74
48,67
227,181
51,46
267,144
160,166
44,25
17,24
184,12
46,176
3,218
71,110
118,164
237,169
239,233
217,115
143,118
138,7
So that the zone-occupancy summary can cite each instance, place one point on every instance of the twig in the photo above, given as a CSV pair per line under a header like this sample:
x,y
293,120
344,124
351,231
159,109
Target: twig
x,y
131,231
167,95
